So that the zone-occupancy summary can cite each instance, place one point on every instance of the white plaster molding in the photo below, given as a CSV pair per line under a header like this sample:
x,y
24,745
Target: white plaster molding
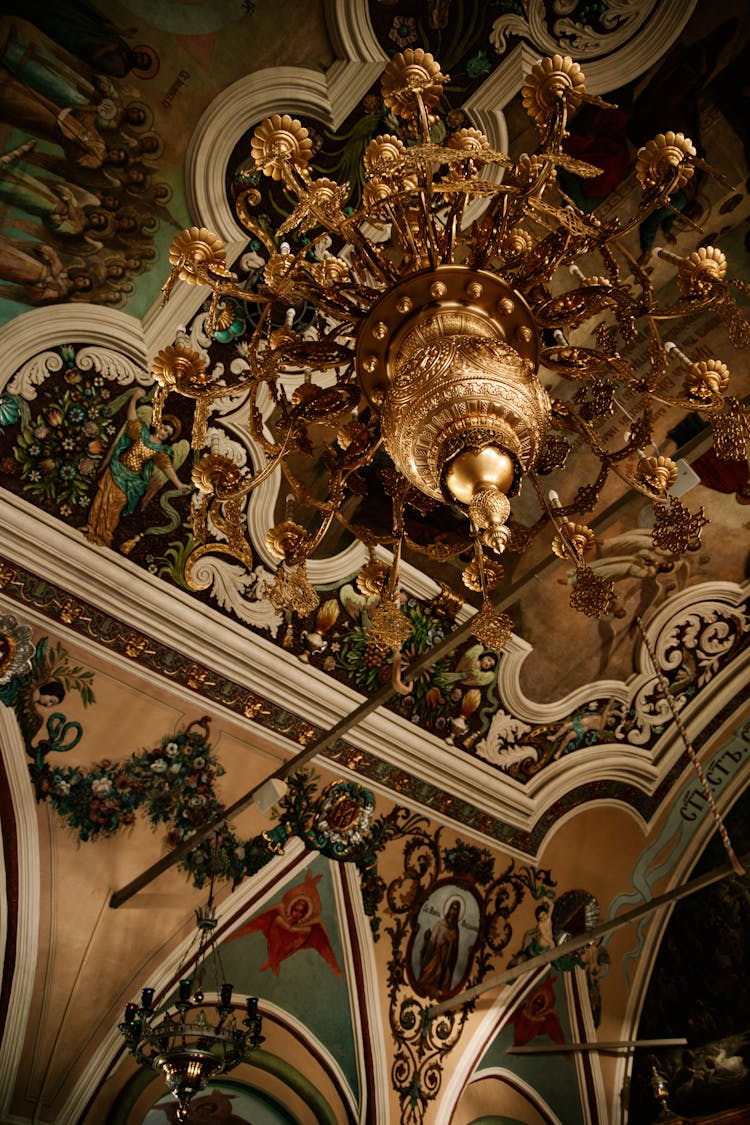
x,y
37,330
373,1103
328,98
28,915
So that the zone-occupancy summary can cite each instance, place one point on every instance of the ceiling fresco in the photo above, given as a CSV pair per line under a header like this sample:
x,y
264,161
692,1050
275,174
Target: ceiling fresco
x,y
381,836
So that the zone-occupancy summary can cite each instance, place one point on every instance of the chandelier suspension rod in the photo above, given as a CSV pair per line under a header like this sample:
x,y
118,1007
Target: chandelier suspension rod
x,y
714,876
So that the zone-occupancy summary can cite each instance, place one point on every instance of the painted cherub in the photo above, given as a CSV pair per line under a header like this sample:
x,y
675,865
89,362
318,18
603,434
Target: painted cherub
x,y
290,925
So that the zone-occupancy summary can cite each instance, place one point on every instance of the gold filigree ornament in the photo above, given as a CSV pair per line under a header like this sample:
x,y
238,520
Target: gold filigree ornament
x,y
292,591
657,474
388,627
706,381
470,141
573,540
668,153
288,539
280,140
215,473
331,271
731,430
376,193
492,572
676,529
372,578
411,73
181,369
550,82
592,594
516,244
383,153
492,628
706,264
194,251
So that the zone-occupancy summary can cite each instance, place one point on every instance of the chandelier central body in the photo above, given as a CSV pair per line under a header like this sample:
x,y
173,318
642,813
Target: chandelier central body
x,y
448,358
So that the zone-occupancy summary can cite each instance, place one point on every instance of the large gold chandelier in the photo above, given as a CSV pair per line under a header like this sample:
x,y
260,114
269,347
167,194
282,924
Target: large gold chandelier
x,y
437,303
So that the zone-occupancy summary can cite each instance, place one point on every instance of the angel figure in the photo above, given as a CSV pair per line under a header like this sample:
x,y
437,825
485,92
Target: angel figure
x,y
293,924
140,457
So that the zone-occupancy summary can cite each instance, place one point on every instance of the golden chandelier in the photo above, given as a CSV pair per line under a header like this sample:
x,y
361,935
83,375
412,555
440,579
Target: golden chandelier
x,y
447,291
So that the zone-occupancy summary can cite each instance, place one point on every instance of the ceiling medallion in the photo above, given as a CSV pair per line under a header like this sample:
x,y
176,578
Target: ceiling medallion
x,y
475,353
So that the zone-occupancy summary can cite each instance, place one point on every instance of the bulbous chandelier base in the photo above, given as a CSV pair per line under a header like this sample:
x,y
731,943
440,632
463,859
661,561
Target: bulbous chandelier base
x,y
448,360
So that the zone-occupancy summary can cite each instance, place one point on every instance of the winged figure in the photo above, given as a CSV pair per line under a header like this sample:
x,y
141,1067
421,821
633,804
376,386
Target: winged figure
x,y
292,924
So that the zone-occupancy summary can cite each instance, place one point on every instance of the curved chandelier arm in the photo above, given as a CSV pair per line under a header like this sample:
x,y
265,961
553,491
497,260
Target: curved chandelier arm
x,y
640,430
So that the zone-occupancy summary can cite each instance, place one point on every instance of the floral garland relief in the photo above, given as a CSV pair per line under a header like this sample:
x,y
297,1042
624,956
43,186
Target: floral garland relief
x,y
173,783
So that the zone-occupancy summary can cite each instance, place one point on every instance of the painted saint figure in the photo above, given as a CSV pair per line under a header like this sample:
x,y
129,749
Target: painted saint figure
x,y
440,951
136,454
290,925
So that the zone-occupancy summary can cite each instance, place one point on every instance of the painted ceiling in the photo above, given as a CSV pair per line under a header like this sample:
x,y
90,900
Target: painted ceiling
x,y
148,689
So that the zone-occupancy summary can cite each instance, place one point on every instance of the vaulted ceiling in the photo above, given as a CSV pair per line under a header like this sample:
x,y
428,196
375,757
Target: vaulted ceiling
x,y
161,719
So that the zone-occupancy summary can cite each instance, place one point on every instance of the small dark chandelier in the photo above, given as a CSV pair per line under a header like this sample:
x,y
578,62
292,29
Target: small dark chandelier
x,y
189,1039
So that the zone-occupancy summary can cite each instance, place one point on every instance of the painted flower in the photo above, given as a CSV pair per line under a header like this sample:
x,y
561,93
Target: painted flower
x,y
199,762
86,467
159,766
171,749
403,31
198,801
175,767
95,448
8,465
34,450
101,787
62,788
90,429
54,416
41,432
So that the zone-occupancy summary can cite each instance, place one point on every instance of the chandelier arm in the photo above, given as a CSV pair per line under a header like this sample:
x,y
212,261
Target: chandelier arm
x,y
452,226
556,514
222,286
610,461
496,227
249,223
713,407
441,552
555,359
364,534
653,199
368,253
400,219
251,483
433,251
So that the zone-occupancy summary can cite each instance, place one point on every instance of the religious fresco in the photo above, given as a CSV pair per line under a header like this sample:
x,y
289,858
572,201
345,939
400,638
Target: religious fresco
x,y
452,924
93,135
223,1103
